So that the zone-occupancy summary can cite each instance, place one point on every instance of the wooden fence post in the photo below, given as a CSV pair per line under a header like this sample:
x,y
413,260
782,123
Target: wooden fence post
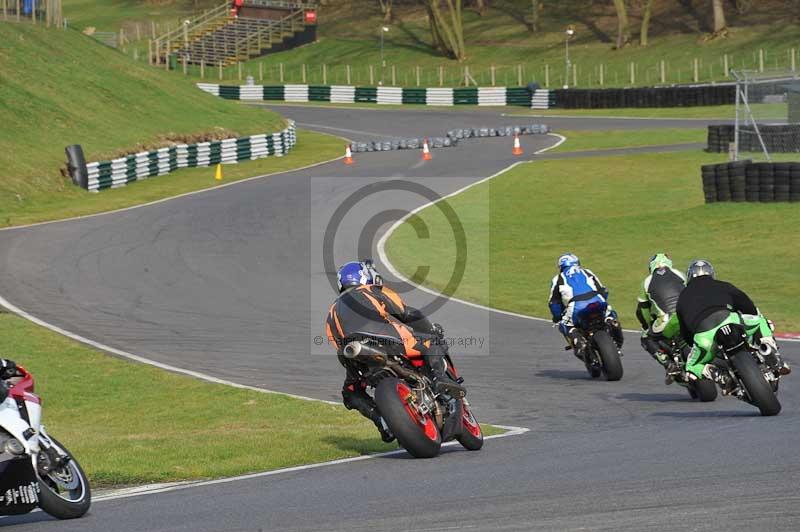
x,y
260,71
725,66
203,68
696,70
304,74
281,71
418,76
324,74
574,74
794,60
138,32
372,75
166,55
5,10
149,50
761,60
220,69
17,10
519,75
33,13
633,74
153,29
239,64
185,64
347,71
602,75
547,75
492,73
663,72
441,76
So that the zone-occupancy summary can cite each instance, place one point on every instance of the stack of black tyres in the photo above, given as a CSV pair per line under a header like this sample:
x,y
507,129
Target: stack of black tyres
x,y
766,182
794,183
723,182
738,180
708,172
782,173
751,190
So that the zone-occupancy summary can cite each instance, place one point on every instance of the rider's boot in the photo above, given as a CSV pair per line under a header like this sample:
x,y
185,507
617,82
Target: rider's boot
x,y
616,330
359,400
577,342
442,382
721,378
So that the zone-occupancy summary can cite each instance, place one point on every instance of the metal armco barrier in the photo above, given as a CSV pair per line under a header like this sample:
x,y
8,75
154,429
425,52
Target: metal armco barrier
x,y
481,96
749,181
645,97
119,172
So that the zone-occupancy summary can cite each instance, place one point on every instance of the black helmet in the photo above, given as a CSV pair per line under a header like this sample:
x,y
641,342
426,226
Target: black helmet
x,y
699,268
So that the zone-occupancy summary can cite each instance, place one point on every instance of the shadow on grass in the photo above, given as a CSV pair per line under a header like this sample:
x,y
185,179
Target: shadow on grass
x,y
565,374
360,445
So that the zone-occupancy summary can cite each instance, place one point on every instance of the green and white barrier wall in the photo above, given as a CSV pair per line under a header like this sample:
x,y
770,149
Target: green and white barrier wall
x,y
119,172
482,96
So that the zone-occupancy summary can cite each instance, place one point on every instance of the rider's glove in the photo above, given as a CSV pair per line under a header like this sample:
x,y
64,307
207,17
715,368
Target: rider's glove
x,y
771,325
8,368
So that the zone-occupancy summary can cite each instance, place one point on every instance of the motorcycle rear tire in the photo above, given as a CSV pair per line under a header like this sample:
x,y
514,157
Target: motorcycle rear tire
x,y
703,390
410,435
607,349
58,507
759,390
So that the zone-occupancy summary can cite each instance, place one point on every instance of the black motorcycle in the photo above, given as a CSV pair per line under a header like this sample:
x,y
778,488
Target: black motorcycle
x,y
599,352
751,374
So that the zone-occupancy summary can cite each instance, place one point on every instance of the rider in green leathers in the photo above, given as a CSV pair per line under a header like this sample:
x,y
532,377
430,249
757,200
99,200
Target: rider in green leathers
x,y
706,305
655,311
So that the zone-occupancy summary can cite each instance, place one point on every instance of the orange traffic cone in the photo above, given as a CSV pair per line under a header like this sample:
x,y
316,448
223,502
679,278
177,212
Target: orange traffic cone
x,y
426,151
517,147
348,155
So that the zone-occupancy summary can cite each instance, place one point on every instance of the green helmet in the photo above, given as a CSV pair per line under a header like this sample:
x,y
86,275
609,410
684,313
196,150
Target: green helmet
x,y
660,260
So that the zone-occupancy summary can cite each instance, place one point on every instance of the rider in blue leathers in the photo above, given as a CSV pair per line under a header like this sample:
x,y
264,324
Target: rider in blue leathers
x,y
571,292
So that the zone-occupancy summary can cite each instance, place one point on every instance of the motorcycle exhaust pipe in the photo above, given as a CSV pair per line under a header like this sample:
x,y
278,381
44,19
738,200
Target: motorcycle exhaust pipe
x,y
365,352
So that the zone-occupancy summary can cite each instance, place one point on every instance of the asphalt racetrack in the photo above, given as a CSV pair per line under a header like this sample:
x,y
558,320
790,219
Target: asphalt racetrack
x,y
231,282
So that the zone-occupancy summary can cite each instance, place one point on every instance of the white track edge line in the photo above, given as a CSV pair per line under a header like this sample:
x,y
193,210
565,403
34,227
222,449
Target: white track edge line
x,y
381,247
175,486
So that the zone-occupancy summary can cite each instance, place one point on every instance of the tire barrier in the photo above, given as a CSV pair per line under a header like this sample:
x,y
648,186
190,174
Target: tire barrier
x,y
119,172
481,96
779,138
452,138
684,96
748,181
76,165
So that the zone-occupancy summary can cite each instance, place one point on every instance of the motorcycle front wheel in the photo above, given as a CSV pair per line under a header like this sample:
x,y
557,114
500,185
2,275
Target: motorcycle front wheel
x,y
758,389
64,492
416,433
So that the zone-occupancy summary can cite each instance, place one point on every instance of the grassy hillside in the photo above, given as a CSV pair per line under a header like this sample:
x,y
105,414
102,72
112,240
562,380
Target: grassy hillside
x,y
60,87
111,15
349,34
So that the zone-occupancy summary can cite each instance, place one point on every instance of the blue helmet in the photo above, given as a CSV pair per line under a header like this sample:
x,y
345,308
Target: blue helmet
x,y
567,261
357,273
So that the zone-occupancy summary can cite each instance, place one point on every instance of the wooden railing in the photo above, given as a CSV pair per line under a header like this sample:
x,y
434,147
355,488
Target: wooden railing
x,y
190,30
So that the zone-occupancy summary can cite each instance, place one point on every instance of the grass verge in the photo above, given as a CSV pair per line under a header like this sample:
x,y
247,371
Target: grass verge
x,y
134,424
311,148
614,212
633,138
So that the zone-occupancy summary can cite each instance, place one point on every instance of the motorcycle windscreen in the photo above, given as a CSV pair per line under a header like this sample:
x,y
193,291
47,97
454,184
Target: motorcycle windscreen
x,y
19,488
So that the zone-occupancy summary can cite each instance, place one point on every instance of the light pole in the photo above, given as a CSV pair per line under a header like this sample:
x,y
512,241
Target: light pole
x,y
384,29
569,33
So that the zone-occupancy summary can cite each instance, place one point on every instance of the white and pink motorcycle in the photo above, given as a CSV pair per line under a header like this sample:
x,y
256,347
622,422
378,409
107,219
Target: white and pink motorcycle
x,y
35,469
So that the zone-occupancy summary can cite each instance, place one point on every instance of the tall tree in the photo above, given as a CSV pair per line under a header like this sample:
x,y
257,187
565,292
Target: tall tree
x,y
386,10
447,29
623,27
719,16
536,6
644,33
